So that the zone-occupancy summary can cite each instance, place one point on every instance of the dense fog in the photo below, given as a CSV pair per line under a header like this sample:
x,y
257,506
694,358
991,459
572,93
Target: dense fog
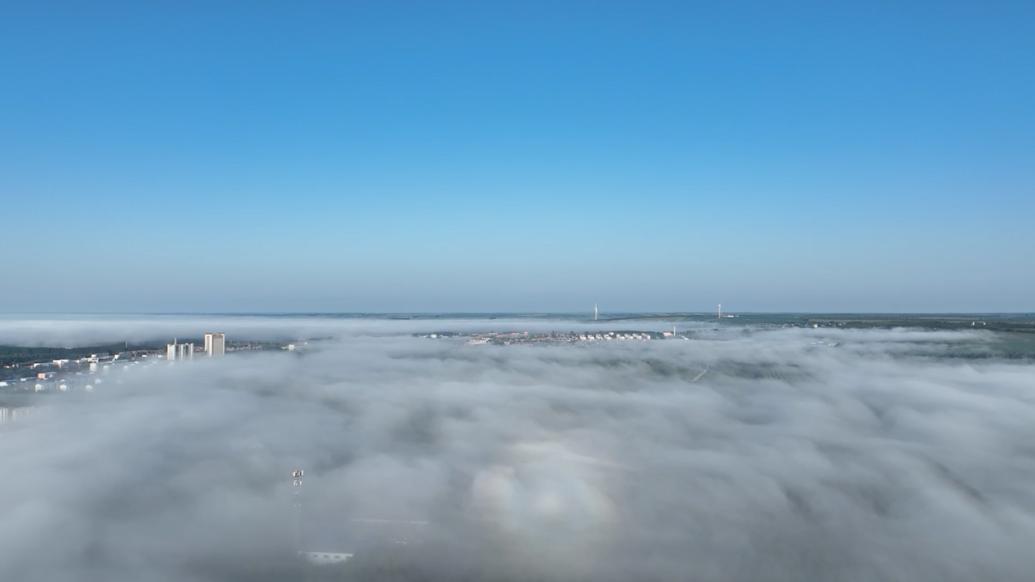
x,y
738,454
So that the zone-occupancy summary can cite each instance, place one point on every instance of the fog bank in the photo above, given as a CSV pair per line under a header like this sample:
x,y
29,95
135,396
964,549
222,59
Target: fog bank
x,y
773,455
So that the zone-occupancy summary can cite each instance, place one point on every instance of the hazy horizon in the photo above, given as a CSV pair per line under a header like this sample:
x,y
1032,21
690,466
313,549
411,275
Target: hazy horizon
x,y
586,313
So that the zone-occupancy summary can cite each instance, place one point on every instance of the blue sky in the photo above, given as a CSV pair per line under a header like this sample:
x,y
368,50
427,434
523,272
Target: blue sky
x,y
493,156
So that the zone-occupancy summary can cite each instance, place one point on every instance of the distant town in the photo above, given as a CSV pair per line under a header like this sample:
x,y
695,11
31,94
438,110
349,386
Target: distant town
x,y
27,371
524,337
30,373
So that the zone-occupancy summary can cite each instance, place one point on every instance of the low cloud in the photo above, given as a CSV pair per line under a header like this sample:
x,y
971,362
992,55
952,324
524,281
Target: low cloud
x,y
742,454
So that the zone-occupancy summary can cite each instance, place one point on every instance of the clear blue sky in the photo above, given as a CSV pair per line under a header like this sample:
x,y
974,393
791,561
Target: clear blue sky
x,y
426,156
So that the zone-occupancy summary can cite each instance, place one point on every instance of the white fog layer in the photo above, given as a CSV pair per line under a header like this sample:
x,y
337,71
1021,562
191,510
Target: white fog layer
x,y
737,455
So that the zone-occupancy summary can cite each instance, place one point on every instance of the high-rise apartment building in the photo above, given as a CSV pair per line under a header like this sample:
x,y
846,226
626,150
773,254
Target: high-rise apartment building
x,y
215,344
177,351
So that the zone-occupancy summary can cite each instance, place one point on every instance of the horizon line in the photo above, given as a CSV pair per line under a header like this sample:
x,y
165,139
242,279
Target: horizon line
x,y
498,313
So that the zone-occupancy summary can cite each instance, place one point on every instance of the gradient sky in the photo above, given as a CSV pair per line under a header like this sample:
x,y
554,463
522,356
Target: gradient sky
x,y
490,156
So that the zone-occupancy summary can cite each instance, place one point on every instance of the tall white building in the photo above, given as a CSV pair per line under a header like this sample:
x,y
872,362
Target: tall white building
x,y
215,344
176,351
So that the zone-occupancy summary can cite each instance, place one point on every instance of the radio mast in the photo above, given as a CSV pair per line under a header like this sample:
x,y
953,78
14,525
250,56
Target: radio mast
x,y
296,496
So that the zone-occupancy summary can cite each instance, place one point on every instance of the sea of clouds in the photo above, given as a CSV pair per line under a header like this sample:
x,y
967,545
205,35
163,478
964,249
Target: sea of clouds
x,y
740,454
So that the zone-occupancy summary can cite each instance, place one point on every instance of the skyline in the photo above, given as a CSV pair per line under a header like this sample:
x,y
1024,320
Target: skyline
x,y
515,158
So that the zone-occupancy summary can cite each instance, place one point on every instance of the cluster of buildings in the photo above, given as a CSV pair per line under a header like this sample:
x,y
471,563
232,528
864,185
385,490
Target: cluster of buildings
x,y
524,337
87,372
63,374
215,346
614,335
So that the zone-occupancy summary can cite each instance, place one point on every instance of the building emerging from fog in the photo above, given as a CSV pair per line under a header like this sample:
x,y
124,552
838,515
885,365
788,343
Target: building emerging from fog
x,y
176,351
13,414
215,344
